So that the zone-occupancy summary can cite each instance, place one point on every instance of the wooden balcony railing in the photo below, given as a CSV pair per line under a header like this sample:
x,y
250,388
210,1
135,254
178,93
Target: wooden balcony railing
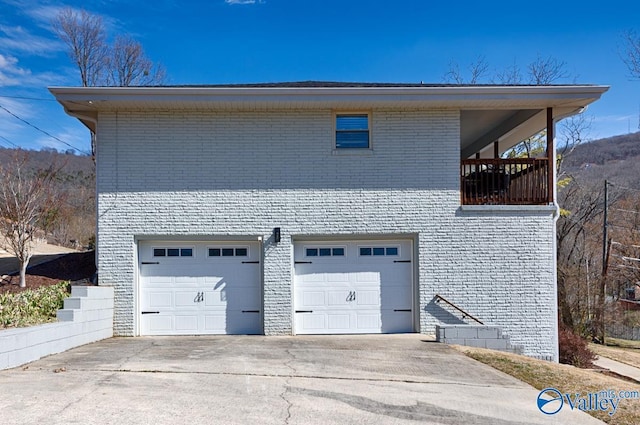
x,y
515,181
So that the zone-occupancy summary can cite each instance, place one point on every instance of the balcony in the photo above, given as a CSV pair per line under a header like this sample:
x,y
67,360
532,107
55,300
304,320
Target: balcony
x,y
515,181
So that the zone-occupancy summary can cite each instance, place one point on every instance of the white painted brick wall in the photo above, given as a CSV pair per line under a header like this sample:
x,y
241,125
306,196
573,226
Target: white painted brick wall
x,y
243,173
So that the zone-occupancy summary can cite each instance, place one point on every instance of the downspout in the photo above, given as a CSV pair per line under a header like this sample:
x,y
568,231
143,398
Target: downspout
x,y
553,193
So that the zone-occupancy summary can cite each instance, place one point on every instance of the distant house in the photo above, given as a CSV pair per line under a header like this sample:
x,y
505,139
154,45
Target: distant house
x,y
326,208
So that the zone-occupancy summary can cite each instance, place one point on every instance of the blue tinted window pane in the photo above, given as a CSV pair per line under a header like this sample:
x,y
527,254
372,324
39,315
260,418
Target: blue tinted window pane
x,y
365,251
312,252
227,252
241,252
392,251
325,252
352,131
214,252
186,252
159,252
173,252
352,139
378,251
338,252
352,122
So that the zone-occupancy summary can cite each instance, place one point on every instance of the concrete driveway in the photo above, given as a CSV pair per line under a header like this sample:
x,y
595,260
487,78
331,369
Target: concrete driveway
x,y
394,379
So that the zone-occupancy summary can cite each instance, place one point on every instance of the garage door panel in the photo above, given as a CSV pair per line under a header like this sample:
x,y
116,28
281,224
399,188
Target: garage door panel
x,y
158,281
239,295
339,321
368,322
158,300
361,287
338,298
313,299
315,322
365,278
186,300
159,324
368,298
396,321
186,323
198,293
336,277
237,322
309,278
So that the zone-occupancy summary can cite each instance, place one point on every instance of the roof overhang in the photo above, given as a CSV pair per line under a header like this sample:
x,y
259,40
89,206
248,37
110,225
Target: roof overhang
x,y
490,113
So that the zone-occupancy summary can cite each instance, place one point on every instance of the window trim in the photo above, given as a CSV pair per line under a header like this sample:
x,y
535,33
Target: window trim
x,y
379,246
167,248
233,247
319,247
338,150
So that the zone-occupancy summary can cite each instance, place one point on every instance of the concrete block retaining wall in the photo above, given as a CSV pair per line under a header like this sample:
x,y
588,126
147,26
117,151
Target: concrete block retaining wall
x,y
87,317
476,336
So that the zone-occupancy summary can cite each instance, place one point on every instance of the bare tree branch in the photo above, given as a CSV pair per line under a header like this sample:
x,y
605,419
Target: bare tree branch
x,y
477,71
546,70
510,75
631,54
83,34
128,65
453,75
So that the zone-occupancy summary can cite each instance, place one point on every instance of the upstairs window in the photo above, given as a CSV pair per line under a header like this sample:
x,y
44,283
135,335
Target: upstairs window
x,y
352,131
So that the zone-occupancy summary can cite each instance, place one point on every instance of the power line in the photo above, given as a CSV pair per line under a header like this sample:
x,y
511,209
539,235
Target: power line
x,y
623,210
624,227
624,187
42,131
9,141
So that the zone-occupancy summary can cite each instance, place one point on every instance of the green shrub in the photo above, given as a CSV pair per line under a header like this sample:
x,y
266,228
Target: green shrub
x,y
32,307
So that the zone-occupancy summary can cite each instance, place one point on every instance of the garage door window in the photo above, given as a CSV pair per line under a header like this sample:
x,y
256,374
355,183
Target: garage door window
x,y
173,252
228,252
325,252
379,251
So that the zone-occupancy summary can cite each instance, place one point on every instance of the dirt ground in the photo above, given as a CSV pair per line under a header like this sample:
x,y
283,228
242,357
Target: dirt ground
x,y
76,266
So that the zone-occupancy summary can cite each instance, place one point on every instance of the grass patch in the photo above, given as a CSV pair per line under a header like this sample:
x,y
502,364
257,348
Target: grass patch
x,y
32,307
568,379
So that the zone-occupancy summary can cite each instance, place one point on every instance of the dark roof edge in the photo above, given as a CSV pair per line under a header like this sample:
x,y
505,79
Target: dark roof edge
x,y
340,84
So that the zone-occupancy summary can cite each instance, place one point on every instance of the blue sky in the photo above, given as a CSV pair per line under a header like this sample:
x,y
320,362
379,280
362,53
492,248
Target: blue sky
x,y
237,41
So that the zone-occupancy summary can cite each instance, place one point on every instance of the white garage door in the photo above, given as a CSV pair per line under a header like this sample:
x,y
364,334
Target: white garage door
x,y
192,288
353,287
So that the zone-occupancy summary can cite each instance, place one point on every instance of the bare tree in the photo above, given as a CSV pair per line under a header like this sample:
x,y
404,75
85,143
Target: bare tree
x,y
122,63
510,75
572,132
631,53
477,71
539,72
27,201
84,36
128,65
546,70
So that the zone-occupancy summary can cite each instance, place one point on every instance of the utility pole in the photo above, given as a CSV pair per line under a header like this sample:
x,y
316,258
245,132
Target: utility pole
x,y
605,234
606,246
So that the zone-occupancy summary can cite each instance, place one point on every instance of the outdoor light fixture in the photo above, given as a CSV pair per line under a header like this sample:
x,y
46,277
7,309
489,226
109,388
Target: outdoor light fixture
x,y
276,234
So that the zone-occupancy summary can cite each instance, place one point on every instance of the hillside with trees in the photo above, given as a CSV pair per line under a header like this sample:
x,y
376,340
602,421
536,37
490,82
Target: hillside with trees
x,y
71,220
613,158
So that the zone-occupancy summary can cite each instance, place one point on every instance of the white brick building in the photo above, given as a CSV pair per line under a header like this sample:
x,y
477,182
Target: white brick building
x,y
326,208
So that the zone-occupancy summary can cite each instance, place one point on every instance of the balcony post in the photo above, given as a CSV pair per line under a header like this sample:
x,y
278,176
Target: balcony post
x,y
551,159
